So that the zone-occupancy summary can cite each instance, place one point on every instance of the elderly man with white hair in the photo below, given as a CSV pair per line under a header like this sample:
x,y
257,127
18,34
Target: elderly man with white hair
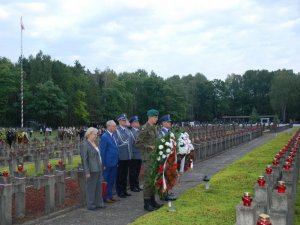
x,y
110,155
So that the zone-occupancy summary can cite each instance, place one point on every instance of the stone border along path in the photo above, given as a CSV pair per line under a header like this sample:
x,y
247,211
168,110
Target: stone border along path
x,y
127,210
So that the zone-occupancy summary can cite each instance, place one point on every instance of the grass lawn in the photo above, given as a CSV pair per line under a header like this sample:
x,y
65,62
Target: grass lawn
x,y
217,205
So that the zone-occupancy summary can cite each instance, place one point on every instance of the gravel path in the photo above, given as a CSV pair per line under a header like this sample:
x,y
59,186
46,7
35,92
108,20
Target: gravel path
x,y
127,210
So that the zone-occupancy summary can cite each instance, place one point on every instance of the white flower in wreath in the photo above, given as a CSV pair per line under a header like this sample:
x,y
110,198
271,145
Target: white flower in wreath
x,y
167,144
158,158
163,140
168,150
172,135
163,156
183,147
160,147
160,152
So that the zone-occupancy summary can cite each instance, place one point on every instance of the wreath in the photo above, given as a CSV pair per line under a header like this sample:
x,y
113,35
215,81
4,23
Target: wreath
x,y
166,161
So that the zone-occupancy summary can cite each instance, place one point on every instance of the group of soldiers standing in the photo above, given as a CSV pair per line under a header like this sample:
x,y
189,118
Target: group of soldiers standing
x,y
134,145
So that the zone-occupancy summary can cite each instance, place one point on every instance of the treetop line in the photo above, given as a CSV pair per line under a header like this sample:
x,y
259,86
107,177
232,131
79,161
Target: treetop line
x,y
58,94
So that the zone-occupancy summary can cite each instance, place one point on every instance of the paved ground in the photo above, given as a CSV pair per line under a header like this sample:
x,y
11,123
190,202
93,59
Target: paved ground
x,y
127,210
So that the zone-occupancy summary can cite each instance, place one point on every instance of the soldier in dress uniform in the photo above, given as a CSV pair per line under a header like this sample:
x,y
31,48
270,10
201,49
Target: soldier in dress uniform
x,y
166,125
136,161
125,153
146,143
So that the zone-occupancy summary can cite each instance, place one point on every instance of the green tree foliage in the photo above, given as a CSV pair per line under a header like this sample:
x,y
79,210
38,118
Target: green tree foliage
x,y
48,103
62,95
283,92
8,91
254,116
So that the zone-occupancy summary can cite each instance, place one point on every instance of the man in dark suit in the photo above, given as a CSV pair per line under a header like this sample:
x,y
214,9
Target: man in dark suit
x,y
125,154
136,161
110,153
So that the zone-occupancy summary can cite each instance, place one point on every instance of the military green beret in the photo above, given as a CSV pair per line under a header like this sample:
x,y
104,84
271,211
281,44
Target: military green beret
x,y
152,112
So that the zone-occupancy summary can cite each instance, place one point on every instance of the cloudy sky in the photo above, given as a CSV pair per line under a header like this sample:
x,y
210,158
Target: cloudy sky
x,y
215,37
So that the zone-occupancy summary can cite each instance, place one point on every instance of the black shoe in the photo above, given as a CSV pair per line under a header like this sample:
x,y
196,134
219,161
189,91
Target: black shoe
x,y
154,203
147,205
122,195
126,193
135,189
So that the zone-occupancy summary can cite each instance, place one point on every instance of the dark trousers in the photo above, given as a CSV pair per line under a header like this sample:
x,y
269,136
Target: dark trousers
x,y
94,191
134,172
122,175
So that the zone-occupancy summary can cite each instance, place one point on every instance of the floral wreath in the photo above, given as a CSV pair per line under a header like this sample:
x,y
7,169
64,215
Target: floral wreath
x,y
166,161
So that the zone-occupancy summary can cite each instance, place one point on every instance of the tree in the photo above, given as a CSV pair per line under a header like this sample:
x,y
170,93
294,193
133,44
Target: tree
x,y
48,103
8,91
282,91
254,116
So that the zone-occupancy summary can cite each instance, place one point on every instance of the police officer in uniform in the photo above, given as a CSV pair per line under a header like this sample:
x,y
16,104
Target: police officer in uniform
x,y
166,125
136,161
125,154
146,143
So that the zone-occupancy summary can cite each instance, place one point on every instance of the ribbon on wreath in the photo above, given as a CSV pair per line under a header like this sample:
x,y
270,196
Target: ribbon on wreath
x,y
173,152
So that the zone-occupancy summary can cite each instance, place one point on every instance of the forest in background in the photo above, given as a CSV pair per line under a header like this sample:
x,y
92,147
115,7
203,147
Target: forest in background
x,y
57,94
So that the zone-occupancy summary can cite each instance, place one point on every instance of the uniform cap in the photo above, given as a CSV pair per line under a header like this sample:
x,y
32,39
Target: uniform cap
x,y
122,117
152,112
165,118
134,119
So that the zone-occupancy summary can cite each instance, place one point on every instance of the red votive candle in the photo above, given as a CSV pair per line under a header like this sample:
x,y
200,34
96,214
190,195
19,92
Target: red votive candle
x,y
49,167
281,187
269,169
261,181
5,173
20,168
247,199
263,219
287,166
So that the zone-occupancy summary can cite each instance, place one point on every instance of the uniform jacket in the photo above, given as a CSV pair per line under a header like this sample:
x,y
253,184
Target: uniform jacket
x,y
163,132
146,140
109,150
136,153
124,138
90,157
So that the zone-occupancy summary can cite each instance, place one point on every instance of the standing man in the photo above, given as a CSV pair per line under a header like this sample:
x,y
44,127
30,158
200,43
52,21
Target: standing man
x,y
166,125
136,161
125,153
109,154
146,143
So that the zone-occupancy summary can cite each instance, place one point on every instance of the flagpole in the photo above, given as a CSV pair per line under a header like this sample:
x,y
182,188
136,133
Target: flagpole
x,y
22,73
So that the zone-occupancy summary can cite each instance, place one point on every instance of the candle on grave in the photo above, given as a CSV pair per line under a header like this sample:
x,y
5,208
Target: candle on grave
x,y
247,199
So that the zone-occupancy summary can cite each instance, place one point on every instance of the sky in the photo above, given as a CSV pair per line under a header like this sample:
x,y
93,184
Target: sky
x,y
168,37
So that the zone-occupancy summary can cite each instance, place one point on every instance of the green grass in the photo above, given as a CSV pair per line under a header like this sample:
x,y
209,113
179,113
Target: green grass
x,y
217,205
